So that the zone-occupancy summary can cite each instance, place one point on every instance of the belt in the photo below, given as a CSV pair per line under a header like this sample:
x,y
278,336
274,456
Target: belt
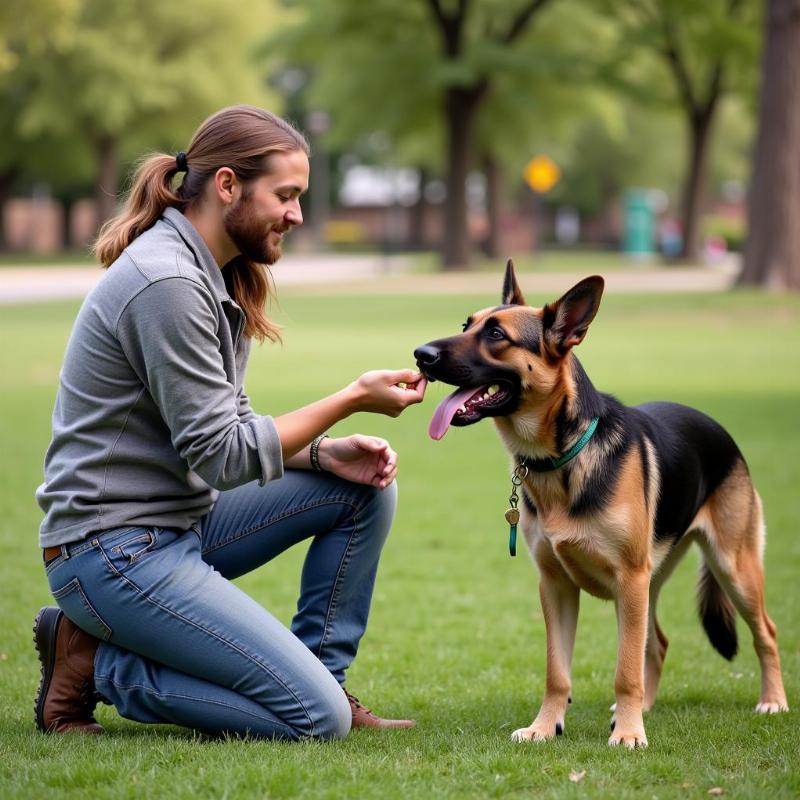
x,y
52,552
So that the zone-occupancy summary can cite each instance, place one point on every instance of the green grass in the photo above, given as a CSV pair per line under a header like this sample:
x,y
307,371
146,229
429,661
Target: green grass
x,y
456,636
73,258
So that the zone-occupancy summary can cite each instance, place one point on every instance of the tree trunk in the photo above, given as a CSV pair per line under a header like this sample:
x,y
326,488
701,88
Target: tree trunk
x,y
694,186
493,245
6,182
460,108
772,251
108,174
67,207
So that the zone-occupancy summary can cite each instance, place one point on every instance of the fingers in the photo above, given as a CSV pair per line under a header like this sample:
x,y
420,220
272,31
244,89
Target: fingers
x,y
386,462
389,471
372,444
388,391
413,391
402,375
417,389
387,479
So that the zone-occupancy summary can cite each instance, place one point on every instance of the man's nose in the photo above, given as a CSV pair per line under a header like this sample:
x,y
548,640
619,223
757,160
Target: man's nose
x,y
294,215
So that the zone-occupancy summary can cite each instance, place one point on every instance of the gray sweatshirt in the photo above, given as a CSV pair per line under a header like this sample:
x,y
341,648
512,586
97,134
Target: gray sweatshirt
x,y
151,419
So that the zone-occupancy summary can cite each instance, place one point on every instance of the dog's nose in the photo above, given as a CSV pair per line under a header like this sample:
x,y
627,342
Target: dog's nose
x,y
426,355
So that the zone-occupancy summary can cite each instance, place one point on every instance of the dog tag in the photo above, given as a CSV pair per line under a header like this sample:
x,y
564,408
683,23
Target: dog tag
x,y
512,518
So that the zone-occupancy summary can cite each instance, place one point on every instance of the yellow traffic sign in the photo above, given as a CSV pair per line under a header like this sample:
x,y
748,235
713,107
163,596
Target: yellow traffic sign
x,y
542,174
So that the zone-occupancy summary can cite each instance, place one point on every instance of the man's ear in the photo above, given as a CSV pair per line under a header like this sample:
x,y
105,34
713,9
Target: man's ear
x,y
512,295
565,322
225,183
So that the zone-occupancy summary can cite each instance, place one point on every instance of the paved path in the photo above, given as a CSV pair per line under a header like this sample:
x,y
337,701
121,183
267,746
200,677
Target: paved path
x,y
373,274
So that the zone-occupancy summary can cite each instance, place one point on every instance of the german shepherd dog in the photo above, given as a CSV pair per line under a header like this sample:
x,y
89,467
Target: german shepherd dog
x,y
612,517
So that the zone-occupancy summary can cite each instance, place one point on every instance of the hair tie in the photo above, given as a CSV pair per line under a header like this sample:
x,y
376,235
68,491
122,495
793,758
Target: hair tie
x,y
180,161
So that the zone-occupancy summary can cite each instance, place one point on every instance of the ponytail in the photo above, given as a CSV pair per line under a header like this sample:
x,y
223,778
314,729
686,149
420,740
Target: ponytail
x,y
150,194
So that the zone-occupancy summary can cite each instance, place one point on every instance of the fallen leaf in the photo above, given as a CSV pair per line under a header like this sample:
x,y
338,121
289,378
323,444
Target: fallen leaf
x,y
576,777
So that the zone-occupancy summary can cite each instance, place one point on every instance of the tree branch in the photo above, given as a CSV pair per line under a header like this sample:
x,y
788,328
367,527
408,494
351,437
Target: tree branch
x,y
714,89
450,26
671,51
438,13
522,19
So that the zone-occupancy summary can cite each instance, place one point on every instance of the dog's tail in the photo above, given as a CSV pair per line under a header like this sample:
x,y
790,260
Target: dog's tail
x,y
717,614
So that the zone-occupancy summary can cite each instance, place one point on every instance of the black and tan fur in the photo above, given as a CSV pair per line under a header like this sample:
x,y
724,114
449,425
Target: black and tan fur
x,y
616,519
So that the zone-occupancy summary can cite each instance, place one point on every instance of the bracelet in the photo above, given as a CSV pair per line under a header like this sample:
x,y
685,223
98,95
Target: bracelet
x,y
314,452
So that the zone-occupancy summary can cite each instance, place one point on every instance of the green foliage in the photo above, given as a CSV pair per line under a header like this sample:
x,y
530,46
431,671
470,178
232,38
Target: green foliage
x,y
124,65
385,71
142,74
371,72
654,34
456,636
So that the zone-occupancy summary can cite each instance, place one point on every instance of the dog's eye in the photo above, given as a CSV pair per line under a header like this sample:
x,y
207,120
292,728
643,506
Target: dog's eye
x,y
496,333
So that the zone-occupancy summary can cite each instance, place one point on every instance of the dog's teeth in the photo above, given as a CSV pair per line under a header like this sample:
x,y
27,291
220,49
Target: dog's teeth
x,y
492,390
462,409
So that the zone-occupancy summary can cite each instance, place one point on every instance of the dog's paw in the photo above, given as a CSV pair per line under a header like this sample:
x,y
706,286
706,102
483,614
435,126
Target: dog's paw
x,y
774,707
537,732
631,738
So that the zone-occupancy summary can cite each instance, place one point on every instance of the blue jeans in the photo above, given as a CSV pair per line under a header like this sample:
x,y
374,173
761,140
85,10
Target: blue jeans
x,y
181,644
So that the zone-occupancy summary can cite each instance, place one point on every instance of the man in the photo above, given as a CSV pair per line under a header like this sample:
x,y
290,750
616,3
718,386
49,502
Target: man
x,y
162,484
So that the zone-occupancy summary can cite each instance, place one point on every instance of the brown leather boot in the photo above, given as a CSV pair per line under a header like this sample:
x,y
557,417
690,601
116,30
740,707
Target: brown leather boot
x,y
364,718
66,697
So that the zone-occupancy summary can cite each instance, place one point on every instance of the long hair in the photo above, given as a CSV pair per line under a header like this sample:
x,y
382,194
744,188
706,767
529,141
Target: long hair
x,y
240,137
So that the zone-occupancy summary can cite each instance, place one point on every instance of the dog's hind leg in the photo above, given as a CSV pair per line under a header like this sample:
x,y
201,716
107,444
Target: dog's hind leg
x,y
657,642
560,599
654,655
733,548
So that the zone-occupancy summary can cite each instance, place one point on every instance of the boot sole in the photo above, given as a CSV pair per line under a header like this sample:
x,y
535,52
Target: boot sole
x,y
45,629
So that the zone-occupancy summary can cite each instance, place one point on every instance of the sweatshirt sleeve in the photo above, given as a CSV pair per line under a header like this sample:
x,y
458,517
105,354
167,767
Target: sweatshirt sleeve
x,y
169,334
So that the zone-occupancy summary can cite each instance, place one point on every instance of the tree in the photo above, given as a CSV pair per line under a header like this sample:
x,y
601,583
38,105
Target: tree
x,y
456,86
117,77
772,252
22,26
708,50
498,29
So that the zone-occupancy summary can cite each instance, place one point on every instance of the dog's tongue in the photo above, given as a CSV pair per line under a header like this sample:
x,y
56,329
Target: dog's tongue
x,y
446,410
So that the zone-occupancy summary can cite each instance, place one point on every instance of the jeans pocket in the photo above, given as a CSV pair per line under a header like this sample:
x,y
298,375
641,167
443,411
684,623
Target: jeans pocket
x,y
73,601
136,545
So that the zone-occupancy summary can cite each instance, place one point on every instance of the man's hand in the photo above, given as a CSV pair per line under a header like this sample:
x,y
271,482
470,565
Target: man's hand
x,y
360,459
388,392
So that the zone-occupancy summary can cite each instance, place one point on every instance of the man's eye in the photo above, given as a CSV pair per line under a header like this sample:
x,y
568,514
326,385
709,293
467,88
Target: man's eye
x,y
283,198
496,333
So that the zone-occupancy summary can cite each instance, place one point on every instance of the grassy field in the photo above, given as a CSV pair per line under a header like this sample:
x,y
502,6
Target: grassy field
x,y
456,635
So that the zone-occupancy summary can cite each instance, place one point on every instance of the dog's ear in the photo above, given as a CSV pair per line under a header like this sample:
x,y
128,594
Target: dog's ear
x,y
565,322
512,294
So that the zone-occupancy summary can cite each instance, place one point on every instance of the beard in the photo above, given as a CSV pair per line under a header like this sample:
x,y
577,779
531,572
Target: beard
x,y
248,233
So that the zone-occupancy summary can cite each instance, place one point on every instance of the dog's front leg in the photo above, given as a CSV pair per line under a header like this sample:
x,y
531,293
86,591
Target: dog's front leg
x,y
560,599
633,591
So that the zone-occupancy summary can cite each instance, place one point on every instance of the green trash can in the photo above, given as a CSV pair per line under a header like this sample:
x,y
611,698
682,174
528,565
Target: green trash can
x,y
639,234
